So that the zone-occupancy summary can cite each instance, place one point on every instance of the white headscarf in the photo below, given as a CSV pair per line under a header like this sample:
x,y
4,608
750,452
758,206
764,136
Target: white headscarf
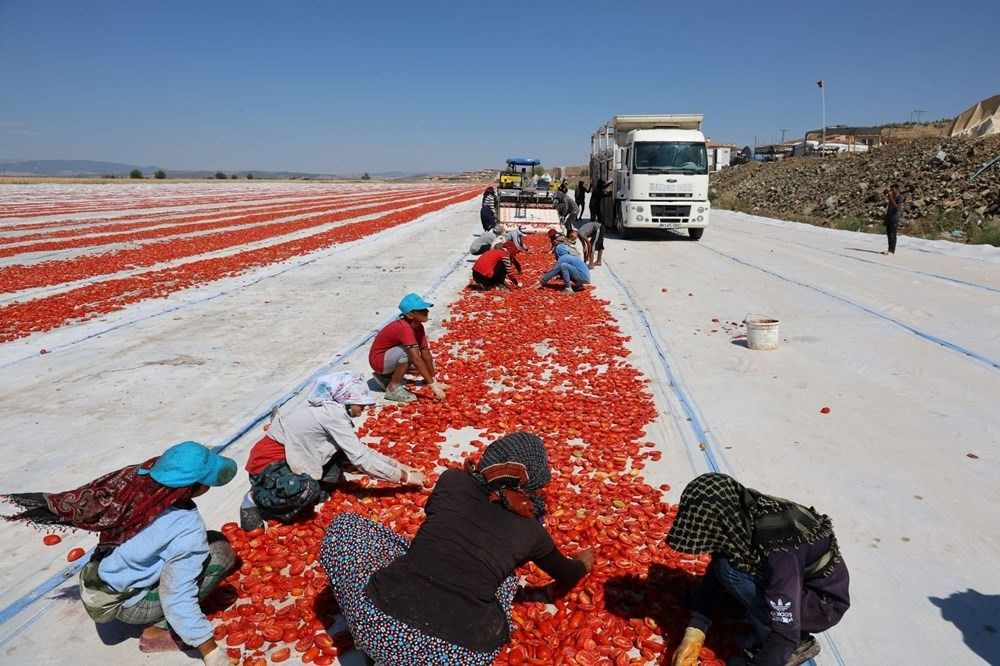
x,y
345,387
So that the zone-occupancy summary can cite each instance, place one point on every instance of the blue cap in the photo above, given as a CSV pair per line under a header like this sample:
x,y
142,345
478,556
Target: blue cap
x,y
413,302
188,463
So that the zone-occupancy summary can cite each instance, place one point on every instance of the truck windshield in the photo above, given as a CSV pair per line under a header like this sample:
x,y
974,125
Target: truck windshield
x,y
670,157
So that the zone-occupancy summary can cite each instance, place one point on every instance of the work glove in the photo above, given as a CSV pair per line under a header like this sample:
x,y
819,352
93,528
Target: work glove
x,y
218,657
438,390
412,477
686,653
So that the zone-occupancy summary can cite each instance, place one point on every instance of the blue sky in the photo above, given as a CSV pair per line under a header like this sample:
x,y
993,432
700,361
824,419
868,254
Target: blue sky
x,y
338,87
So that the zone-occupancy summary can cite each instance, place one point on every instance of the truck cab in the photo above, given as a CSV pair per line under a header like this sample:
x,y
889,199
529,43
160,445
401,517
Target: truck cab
x,y
657,171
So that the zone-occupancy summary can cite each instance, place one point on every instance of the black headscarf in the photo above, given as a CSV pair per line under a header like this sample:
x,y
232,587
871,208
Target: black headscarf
x,y
511,469
719,515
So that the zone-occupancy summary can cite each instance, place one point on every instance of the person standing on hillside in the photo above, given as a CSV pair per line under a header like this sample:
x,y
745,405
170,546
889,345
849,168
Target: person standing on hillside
x,y
893,217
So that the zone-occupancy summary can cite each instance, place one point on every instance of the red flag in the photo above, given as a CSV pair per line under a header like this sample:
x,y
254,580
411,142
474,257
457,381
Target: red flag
x,y
820,83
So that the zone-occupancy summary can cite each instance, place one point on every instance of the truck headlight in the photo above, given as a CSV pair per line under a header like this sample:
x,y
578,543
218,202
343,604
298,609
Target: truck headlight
x,y
701,209
699,218
638,218
638,209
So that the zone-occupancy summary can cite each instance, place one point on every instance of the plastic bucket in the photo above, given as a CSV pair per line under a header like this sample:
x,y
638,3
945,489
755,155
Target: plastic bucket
x,y
762,332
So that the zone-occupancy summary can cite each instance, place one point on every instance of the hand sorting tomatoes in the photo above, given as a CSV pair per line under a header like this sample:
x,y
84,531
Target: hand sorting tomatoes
x,y
572,386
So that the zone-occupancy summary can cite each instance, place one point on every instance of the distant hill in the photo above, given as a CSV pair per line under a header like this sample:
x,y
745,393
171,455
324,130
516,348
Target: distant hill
x,y
69,168
92,168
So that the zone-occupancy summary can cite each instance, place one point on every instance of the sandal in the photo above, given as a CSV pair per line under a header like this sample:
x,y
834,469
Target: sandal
x,y
400,394
806,650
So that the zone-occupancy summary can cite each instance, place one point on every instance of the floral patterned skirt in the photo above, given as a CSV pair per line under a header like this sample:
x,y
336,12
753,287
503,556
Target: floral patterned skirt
x,y
354,548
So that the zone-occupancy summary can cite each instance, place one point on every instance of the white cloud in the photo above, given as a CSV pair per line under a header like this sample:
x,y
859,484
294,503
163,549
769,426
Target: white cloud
x,y
15,128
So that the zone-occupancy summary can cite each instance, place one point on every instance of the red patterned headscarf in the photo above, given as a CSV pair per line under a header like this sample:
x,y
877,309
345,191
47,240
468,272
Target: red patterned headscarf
x,y
117,505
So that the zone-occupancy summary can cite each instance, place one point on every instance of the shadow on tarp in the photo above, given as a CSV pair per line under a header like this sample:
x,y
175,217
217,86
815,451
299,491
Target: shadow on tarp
x,y
661,596
862,249
661,235
977,615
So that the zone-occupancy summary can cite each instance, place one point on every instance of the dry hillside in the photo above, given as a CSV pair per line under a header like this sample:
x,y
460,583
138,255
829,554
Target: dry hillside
x,y
846,191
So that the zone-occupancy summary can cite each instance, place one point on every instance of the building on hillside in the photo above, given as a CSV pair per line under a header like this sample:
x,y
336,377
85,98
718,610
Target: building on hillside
x,y
719,154
772,152
978,120
839,139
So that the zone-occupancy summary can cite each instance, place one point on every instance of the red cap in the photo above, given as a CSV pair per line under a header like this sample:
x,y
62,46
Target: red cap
x,y
553,233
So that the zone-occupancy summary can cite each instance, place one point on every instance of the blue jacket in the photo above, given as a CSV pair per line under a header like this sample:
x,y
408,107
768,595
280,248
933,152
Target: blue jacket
x,y
578,270
170,554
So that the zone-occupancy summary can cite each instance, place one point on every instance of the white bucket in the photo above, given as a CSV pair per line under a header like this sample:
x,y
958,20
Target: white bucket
x,y
762,332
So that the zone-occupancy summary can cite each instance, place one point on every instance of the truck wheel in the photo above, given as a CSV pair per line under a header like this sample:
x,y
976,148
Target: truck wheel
x,y
623,232
696,234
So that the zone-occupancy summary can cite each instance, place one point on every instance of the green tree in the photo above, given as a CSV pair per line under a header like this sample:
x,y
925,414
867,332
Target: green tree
x,y
220,176
135,173
160,174
233,177
366,176
249,176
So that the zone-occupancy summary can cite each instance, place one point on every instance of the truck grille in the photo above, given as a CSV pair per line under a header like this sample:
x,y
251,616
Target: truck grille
x,y
670,211
670,195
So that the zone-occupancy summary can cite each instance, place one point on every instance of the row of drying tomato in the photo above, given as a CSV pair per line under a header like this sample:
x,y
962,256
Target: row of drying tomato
x,y
546,362
76,199
80,232
60,271
42,314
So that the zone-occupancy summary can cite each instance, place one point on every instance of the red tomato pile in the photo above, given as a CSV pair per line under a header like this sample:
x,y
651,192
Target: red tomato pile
x,y
41,314
535,360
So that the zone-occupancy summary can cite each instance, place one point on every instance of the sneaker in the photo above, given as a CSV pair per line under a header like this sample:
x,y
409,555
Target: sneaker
x,y
807,649
250,518
400,394
568,290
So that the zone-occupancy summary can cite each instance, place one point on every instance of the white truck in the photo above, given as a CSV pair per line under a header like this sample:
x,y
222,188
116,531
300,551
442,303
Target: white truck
x,y
655,171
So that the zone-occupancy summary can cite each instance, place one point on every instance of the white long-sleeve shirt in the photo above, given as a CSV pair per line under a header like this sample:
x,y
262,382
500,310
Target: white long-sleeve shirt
x,y
171,551
312,435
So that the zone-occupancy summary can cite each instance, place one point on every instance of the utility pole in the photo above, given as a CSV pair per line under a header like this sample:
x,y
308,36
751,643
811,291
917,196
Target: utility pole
x,y
783,136
918,113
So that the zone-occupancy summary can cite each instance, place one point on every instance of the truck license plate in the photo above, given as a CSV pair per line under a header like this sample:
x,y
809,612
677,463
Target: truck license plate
x,y
669,225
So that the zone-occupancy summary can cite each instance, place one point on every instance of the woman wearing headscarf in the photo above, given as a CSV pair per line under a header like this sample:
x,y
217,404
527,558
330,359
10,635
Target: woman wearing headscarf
x,y
446,598
154,560
487,212
300,457
779,560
